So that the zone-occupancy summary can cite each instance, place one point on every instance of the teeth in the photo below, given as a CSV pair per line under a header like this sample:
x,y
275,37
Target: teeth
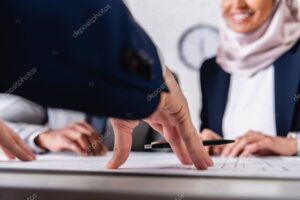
x,y
240,17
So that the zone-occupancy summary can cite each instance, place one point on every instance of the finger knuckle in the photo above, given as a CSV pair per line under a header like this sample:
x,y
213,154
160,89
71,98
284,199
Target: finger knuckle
x,y
250,148
172,138
247,148
179,115
248,133
206,131
122,149
255,146
244,141
189,139
268,141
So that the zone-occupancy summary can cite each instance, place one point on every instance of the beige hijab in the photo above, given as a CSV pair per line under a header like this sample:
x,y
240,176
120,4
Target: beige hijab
x,y
246,54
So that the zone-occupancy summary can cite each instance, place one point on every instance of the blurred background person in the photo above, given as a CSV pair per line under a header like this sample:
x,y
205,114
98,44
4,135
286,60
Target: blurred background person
x,y
53,130
47,129
249,88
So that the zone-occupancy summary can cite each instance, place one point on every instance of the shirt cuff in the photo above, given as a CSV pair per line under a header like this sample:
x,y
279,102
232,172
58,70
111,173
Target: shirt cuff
x,y
31,141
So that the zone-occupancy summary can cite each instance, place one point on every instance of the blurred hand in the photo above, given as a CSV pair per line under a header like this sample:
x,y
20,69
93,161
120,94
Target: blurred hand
x,y
80,138
208,134
171,119
12,145
262,145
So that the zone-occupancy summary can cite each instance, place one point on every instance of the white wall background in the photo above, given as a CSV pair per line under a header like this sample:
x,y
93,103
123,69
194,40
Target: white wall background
x,y
165,21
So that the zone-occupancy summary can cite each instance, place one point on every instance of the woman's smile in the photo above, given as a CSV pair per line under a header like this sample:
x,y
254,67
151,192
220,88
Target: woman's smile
x,y
245,16
242,17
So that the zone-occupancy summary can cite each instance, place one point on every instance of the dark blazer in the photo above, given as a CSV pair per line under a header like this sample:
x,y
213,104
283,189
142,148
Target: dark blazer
x,y
215,84
87,55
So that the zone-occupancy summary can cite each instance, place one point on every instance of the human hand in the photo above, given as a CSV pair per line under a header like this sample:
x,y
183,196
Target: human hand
x,y
12,145
171,119
208,134
80,138
262,145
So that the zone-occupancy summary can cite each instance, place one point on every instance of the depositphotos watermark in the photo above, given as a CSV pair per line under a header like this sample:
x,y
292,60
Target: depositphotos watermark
x,y
91,21
156,92
179,197
96,143
296,97
32,197
20,82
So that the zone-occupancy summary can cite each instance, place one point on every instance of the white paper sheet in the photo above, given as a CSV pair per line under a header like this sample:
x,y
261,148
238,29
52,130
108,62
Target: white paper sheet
x,y
164,164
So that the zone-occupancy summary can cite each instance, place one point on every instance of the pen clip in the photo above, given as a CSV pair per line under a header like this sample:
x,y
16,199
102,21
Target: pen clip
x,y
148,146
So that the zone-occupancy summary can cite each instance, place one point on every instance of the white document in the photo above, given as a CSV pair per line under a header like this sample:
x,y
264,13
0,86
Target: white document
x,y
164,164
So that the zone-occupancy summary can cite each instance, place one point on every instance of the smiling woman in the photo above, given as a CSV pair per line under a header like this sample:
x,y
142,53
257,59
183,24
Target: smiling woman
x,y
249,88
246,16
254,41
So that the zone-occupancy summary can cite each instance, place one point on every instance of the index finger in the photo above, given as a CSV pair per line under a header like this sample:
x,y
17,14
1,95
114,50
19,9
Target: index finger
x,y
123,142
194,145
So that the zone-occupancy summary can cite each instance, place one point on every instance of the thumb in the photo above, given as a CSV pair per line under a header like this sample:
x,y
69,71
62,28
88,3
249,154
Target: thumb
x,y
123,142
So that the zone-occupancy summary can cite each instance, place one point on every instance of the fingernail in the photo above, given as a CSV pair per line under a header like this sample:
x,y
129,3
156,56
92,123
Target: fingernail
x,y
204,167
109,165
211,163
30,158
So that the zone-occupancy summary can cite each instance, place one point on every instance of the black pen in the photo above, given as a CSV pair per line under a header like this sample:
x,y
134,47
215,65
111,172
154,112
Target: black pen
x,y
165,145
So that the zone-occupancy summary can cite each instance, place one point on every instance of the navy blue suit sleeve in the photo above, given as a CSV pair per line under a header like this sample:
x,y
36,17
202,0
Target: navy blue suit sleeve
x,y
203,112
86,55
